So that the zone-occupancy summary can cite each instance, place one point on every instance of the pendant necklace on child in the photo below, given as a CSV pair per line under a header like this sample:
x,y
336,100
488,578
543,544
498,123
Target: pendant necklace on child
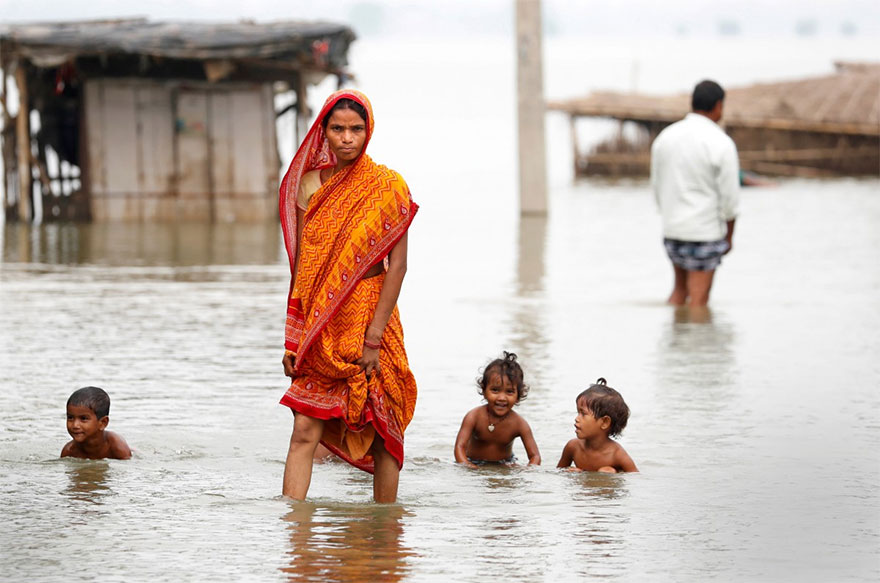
x,y
493,423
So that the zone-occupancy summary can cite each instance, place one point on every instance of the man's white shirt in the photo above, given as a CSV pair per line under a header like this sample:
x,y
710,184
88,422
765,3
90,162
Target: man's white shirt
x,y
695,177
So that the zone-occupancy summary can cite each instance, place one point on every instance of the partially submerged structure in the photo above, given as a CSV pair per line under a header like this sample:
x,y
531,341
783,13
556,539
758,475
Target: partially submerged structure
x,y
135,120
821,126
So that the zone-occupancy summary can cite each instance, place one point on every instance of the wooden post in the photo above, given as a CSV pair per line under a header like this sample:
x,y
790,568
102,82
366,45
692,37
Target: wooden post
x,y
530,100
302,110
5,147
23,142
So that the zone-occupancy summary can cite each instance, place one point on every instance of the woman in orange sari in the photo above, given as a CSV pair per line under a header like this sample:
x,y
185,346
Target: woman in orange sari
x,y
345,221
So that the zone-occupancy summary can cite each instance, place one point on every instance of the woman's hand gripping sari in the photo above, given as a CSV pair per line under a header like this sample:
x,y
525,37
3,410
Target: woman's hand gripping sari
x,y
352,222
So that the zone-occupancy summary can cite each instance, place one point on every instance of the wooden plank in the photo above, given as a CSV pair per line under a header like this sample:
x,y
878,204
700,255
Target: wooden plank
x,y
192,167
619,158
120,138
93,105
23,141
155,123
250,143
777,169
192,143
302,111
855,129
810,154
222,139
5,141
615,110
273,158
42,172
7,117
649,114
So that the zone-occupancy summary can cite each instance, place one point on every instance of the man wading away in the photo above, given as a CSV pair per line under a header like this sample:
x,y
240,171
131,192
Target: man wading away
x,y
695,177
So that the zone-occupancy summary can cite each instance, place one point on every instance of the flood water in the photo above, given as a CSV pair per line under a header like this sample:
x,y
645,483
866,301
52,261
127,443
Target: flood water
x,y
756,425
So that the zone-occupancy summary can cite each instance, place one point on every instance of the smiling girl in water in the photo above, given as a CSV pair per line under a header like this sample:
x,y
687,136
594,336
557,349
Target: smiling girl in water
x,y
487,432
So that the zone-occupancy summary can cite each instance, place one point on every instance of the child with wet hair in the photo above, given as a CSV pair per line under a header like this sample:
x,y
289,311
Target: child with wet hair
x,y
88,413
601,415
487,432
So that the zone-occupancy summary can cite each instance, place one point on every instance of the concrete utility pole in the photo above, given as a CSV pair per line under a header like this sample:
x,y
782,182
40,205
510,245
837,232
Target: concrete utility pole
x,y
530,95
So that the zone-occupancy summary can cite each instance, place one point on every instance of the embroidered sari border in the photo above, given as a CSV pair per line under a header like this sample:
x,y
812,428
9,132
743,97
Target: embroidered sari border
x,y
380,251
393,443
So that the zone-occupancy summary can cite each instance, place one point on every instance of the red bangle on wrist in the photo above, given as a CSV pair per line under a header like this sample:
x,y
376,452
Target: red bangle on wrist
x,y
368,344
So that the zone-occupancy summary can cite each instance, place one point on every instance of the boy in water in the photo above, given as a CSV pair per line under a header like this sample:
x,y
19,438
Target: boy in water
x,y
602,414
487,432
88,413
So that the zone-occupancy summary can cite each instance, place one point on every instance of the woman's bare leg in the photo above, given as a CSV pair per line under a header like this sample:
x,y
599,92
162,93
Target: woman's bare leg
x,y
386,474
298,467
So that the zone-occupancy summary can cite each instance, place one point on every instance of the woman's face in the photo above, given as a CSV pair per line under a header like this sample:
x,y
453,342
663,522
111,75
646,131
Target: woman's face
x,y
346,133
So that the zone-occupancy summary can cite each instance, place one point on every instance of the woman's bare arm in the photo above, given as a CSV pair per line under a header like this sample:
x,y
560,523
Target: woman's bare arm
x,y
387,300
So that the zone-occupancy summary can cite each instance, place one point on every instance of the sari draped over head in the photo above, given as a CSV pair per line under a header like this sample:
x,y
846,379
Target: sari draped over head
x,y
351,223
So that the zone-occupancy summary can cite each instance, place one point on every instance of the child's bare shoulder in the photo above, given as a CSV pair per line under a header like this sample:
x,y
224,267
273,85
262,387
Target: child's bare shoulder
x,y
118,447
574,444
69,449
474,413
623,461
520,421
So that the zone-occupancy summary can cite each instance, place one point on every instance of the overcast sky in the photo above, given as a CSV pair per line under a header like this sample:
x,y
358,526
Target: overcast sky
x,y
493,17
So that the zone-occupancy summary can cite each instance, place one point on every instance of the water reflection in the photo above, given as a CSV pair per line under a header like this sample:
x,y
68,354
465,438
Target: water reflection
x,y
505,536
697,373
530,263
599,487
601,524
697,349
87,481
528,321
346,543
169,244
502,480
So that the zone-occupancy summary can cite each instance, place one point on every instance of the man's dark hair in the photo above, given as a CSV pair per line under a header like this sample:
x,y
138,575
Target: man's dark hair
x,y
706,95
94,398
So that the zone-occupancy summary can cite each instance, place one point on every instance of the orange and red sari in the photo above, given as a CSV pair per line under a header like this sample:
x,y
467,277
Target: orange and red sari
x,y
352,222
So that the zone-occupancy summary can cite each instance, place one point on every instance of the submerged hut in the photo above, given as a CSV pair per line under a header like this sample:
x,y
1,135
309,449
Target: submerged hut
x,y
821,126
133,120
